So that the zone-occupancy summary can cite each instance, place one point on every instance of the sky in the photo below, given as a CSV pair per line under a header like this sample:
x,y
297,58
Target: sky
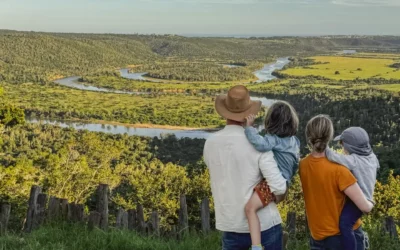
x,y
205,17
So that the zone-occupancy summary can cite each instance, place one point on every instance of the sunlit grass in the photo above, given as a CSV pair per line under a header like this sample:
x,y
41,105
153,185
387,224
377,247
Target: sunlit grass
x,y
348,68
376,55
390,87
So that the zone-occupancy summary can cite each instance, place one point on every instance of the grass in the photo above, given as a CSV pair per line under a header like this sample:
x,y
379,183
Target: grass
x,y
389,87
349,68
77,237
376,55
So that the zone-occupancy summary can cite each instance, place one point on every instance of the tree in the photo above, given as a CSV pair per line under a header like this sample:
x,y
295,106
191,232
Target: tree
x,y
154,185
11,115
387,198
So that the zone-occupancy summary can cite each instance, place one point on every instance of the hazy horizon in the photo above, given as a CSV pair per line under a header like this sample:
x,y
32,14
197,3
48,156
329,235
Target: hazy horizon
x,y
205,17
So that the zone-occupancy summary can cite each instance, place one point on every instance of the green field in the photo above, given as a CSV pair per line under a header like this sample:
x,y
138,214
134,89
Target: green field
x,y
347,68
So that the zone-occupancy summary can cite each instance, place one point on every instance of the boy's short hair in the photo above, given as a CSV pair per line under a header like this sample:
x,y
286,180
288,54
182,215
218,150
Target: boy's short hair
x,y
281,120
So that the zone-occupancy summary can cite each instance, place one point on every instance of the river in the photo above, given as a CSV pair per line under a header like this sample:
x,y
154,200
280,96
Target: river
x,y
121,129
264,74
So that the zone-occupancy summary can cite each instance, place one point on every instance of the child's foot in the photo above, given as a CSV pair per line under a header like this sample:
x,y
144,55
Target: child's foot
x,y
257,247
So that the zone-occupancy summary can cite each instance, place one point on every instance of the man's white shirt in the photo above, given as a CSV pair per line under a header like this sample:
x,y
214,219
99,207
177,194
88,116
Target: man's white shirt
x,y
235,169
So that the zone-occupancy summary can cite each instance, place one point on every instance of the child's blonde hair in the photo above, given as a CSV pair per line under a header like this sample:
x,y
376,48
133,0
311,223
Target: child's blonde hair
x,y
319,132
281,120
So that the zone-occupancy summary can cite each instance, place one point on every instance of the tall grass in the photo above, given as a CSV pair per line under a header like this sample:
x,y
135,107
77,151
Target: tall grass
x,y
348,68
77,237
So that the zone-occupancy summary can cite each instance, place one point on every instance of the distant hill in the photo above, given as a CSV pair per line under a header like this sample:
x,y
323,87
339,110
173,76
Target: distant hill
x,y
37,56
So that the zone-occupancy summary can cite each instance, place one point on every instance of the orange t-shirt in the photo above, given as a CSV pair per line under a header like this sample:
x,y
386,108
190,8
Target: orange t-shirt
x,y
323,184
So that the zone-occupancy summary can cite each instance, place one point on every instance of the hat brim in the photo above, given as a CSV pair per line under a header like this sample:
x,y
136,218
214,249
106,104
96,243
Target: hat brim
x,y
254,108
338,138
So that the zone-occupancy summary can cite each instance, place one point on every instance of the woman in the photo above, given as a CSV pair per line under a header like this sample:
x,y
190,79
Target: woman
x,y
325,186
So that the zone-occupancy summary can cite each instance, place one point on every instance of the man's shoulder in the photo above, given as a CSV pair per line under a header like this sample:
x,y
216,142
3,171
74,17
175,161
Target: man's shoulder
x,y
223,133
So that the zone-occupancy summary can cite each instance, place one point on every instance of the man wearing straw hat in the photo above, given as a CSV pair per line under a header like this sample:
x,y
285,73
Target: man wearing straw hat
x,y
235,169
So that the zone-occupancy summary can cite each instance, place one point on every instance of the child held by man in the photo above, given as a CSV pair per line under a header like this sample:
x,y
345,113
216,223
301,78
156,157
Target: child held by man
x,y
281,125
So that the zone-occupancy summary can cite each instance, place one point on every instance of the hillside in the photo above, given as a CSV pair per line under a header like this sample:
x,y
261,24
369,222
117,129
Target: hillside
x,y
35,56
155,171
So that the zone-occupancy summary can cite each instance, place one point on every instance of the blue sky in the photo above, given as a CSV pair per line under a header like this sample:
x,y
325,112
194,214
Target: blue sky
x,y
211,17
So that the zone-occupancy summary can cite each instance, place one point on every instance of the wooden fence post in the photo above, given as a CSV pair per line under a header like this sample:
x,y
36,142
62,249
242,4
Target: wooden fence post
x,y
122,219
140,219
54,208
291,222
70,216
155,223
64,208
390,227
41,206
132,224
205,215
32,209
102,205
183,216
173,232
4,217
94,220
75,212
80,212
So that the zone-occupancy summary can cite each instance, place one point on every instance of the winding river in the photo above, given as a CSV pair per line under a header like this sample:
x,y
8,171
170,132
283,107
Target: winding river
x,y
264,74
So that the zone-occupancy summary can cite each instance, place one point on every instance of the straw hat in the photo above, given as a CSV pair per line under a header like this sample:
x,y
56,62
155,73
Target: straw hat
x,y
236,105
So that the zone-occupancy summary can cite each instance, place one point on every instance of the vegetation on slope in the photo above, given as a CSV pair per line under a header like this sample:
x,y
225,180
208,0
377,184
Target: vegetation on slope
x,y
40,57
197,71
65,103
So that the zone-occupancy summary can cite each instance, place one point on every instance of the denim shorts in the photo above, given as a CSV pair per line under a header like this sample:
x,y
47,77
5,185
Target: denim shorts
x,y
334,242
271,239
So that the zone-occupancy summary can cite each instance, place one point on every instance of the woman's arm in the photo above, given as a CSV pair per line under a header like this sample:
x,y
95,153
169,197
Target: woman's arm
x,y
356,195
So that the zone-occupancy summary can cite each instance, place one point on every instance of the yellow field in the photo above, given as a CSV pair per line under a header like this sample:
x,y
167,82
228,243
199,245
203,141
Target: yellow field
x,y
349,68
376,55
390,87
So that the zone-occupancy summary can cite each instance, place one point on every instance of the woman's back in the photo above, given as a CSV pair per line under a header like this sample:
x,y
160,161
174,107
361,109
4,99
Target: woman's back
x,y
323,183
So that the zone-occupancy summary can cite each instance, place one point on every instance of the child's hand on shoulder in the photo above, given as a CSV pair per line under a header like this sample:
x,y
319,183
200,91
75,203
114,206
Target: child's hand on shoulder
x,y
250,120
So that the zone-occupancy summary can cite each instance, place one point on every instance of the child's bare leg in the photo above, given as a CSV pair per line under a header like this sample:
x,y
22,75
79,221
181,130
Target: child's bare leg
x,y
252,206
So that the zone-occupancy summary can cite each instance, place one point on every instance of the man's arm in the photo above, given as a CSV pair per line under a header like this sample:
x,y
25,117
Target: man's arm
x,y
261,144
346,160
272,174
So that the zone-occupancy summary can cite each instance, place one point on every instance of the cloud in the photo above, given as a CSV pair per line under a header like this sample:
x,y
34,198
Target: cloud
x,y
367,2
335,2
244,2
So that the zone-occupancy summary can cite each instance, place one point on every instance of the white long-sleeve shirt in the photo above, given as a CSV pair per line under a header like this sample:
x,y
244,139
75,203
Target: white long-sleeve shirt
x,y
235,169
